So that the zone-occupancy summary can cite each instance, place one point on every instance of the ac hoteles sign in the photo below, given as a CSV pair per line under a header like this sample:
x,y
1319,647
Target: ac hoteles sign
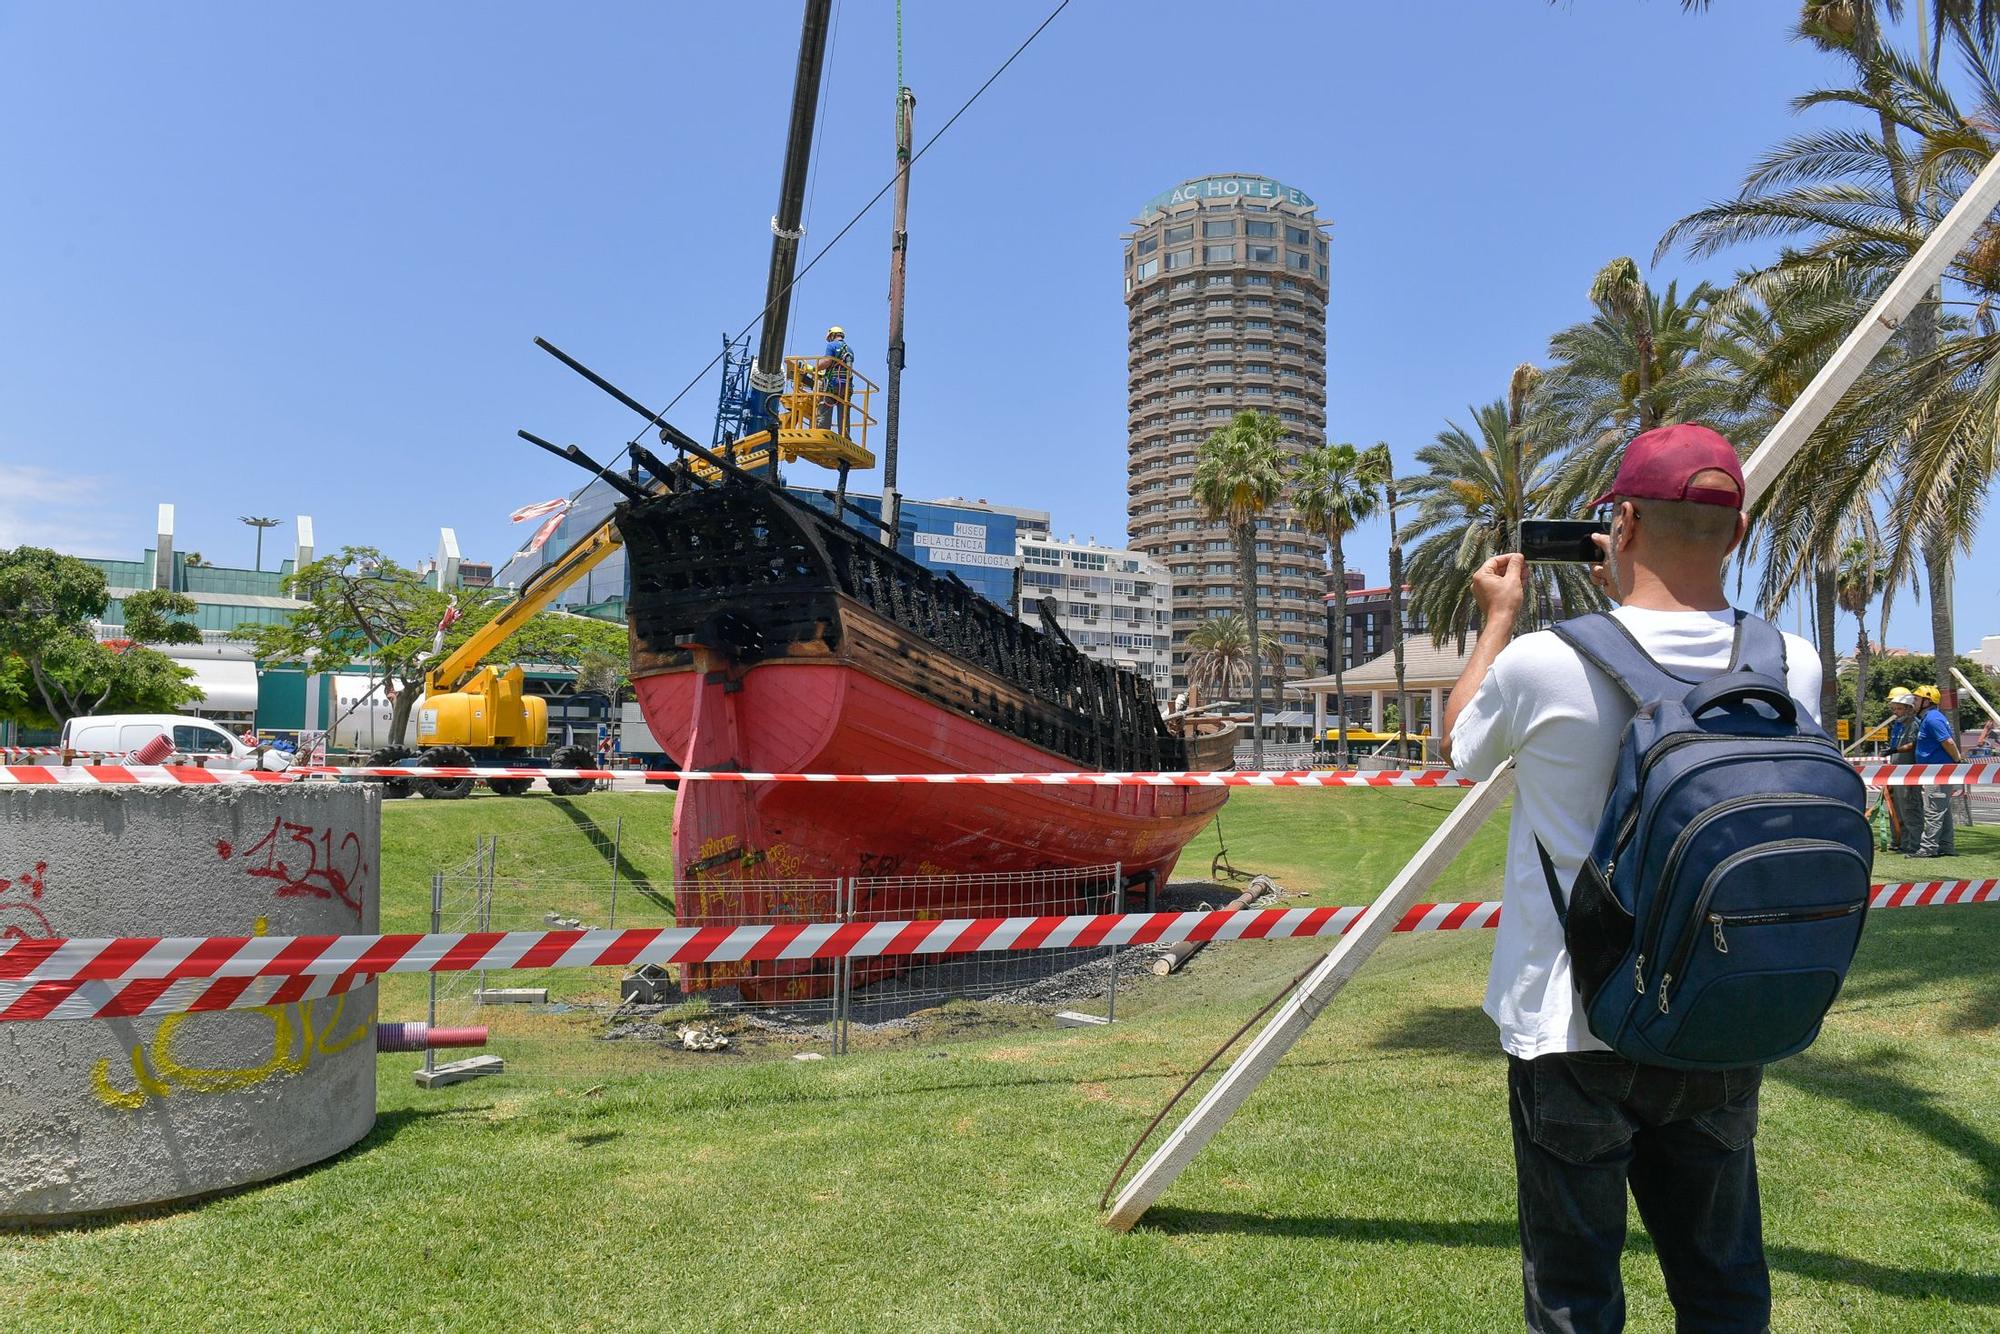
x,y
1227,187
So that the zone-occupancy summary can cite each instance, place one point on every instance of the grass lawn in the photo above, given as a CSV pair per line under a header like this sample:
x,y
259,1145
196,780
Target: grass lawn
x,y
1367,1185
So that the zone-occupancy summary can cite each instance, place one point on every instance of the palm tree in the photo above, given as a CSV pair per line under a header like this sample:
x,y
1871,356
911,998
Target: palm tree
x,y
1860,577
1768,336
1470,502
1239,473
1385,468
1637,363
1853,207
1333,488
1221,651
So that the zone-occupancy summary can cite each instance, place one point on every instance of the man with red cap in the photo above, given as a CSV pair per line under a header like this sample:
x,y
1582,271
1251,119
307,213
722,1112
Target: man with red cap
x,y
1590,1124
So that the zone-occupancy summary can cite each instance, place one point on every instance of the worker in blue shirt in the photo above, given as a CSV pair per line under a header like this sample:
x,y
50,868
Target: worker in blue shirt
x,y
1936,743
1906,811
834,377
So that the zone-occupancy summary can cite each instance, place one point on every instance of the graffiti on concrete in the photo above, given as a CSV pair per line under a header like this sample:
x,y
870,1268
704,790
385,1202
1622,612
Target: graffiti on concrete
x,y
306,862
21,915
296,1042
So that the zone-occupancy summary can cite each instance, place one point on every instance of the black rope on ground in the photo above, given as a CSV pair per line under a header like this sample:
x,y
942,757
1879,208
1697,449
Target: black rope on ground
x,y
1104,1201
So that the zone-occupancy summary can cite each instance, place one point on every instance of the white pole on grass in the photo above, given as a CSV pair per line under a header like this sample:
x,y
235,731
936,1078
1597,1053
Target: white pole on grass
x,y
1285,1028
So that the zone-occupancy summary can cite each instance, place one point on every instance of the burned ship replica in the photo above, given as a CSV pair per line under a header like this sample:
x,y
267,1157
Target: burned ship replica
x,y
770,636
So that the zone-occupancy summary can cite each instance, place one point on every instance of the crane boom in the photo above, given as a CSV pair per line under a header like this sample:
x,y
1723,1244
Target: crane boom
x,y
460,665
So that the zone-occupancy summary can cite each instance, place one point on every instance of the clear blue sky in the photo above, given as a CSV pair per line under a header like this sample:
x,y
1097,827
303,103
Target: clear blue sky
x,y
266,259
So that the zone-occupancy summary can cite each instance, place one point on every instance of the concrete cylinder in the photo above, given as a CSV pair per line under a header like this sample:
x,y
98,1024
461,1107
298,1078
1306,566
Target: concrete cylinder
x,y
105,1114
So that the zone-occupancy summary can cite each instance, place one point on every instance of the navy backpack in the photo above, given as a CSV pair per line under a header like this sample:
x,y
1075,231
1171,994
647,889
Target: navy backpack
x,y
1718,911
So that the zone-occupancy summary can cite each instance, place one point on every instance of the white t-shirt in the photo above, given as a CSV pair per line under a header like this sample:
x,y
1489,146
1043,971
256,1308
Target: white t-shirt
x,y
1561,721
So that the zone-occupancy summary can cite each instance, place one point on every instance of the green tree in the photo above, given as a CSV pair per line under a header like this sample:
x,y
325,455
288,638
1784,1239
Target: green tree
x,y
1637,363
1239,473
1334,488
1851,207
1385,466
1470,502
363,607
602,673
1859,579
1220,652
1906,671
52,668
599,650
1768,336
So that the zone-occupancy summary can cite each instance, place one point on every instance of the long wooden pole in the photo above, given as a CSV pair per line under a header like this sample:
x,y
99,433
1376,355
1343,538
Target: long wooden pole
x,y
1285,1028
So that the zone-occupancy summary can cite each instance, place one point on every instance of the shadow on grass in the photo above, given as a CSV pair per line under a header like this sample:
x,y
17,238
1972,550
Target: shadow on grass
x,y
1973,1289
1928,951
1871,1085
387,1126
1492,1234
639,883
1458,1030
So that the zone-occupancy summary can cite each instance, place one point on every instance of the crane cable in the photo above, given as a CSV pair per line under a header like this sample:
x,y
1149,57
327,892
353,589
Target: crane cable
x,y
849,226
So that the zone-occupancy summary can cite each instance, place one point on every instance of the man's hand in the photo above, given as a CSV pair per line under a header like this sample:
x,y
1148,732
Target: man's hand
x,y
1500,588
1600,573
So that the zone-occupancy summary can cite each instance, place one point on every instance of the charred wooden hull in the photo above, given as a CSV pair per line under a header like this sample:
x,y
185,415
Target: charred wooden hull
x,y
766,637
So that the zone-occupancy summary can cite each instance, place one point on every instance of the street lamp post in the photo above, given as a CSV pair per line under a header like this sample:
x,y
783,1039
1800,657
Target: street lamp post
x,y
260,525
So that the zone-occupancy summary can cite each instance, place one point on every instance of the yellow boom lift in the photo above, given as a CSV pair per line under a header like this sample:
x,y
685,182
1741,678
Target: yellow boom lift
x,y
472,714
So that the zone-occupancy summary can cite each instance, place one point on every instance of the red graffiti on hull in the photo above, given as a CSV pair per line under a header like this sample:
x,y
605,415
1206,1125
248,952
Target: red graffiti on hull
x,y
21,915
306,862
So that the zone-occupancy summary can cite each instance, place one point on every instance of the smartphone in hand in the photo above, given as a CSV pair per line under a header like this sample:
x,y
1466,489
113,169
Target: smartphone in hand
x,y
1562,539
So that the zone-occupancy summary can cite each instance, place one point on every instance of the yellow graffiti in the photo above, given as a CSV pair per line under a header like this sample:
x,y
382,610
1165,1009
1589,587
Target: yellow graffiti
x,y
785,860
715,847
294,1046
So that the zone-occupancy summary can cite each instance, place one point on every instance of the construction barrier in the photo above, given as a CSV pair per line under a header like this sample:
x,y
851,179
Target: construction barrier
x,y
1983,773
169,775
138,976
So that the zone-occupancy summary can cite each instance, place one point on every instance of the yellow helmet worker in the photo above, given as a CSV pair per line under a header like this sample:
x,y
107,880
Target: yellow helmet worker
x,y
833,367
1930,693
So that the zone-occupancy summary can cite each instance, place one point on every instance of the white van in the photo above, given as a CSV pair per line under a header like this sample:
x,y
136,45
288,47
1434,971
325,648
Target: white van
x,y
193,738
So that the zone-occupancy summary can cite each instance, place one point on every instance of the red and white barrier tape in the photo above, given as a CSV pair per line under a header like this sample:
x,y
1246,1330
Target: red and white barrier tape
x,y
136,976
86,775
1977,774
1981,773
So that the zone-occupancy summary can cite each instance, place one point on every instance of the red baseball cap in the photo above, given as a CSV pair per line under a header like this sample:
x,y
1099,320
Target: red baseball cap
x,y
1659,464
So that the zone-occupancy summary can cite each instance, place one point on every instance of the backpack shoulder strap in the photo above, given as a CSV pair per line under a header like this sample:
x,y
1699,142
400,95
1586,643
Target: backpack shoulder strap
x,y
1608,646
1760,648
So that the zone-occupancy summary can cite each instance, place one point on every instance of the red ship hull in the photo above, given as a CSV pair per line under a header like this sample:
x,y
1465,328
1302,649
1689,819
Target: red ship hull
x,y
767,637
803,717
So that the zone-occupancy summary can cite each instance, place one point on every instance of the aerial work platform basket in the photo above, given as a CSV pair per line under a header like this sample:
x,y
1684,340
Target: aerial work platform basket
x,y
823,417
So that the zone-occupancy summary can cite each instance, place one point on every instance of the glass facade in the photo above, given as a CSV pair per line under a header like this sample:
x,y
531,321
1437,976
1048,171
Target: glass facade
x,y
975,544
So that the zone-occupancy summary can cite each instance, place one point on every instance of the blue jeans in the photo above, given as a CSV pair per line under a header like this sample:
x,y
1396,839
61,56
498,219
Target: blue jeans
x,y
1587,1124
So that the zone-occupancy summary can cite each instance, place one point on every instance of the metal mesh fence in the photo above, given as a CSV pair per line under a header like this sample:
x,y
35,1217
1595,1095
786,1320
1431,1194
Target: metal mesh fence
x,y
588,1023
880,992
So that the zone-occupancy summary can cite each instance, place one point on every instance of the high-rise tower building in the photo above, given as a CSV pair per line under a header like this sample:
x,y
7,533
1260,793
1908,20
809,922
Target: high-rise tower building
x,y
1225,293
